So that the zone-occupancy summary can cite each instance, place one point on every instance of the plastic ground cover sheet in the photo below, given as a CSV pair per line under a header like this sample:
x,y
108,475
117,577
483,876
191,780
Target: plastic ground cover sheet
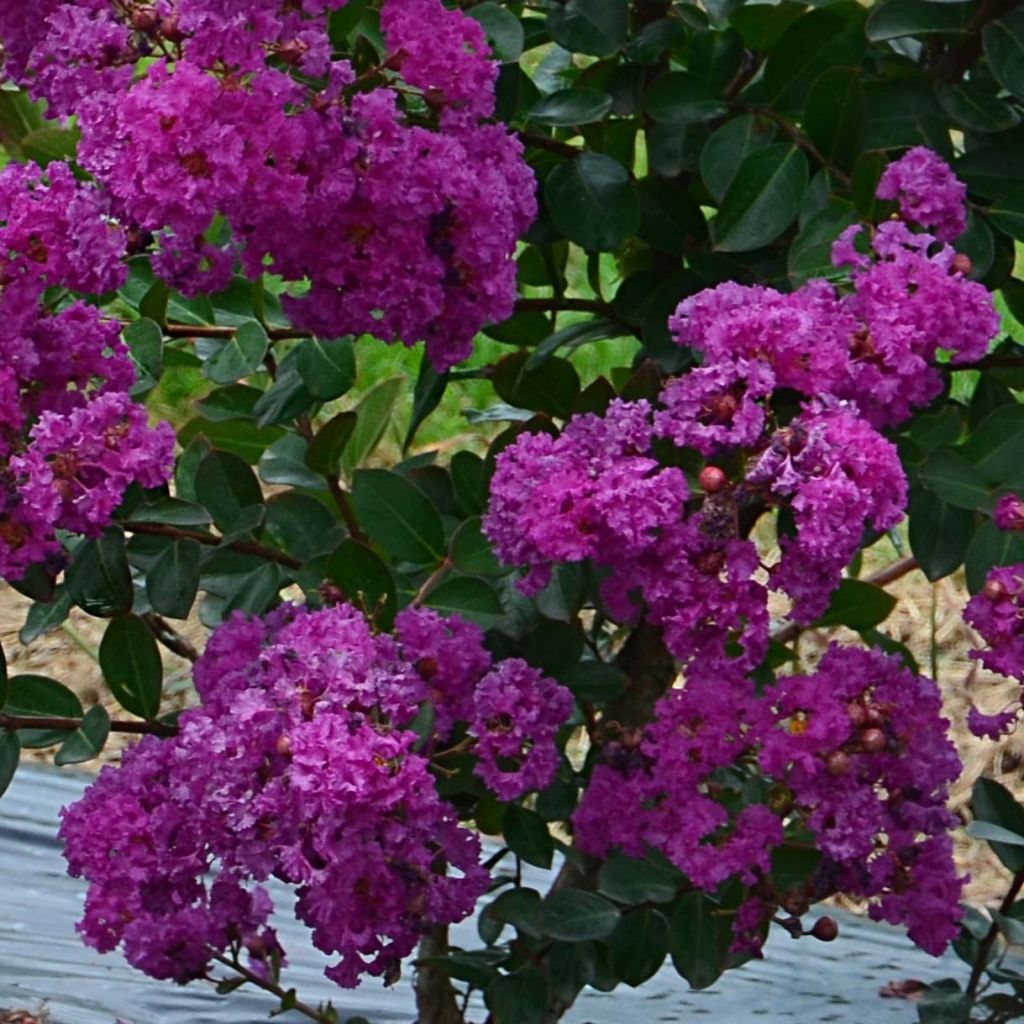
x,y
43,961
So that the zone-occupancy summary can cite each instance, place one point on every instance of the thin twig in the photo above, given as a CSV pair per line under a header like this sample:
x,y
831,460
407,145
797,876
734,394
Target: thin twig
x,y
166,634
542,141
221,331
430,582
268,986
242,546
559,302
801,141
985,945
72,724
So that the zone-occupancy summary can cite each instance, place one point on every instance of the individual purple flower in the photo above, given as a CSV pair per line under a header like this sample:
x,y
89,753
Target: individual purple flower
x,y
996,613
715,406
1009,513
928,192
517,712
992,727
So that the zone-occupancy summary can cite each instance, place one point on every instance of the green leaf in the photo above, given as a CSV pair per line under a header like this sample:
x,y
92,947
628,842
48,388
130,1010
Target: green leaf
x,y
46,145
835,114
944,1006
10,755
518,998
519,907
763,199
1003,41
992,171
501,27
131,665
955,480
285,399
553,388
593,202
365,580
595,681
45,616
398,516
225,485
595,27
173,581
88,740
471,551
810,255
576,916
469,478
994,804
469,597
568,107
994,834
639,945
724,151
99,579
327,368
990,547
819,40
18,117
325,451
995,447
172,512
631,881
895,19
240,356
285,462
256,592
669,219
40,697
426,397
301,525
857,604
527,836
973,108
680,98
700,939
571,338
240,437
939,533
1007,213
145,343
373,414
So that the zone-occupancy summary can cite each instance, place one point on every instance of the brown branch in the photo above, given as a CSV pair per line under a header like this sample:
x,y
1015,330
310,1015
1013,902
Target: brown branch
x,y
219,331
985,945
542,141
431,581
242,546
562,304
166,634
72,724
897,570
268,986
435,995
954,63
801,141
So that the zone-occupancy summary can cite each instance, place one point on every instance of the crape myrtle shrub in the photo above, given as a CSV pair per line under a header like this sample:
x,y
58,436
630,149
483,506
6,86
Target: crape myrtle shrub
x,y
800,222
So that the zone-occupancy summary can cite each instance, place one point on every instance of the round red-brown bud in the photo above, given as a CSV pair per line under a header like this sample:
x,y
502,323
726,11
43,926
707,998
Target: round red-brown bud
x,y
961,264
838,762
330,593
825,929
170,29
873,715
872,740
858,716
284,745
145,19
256,947
292,51
434,98
712,479
994,590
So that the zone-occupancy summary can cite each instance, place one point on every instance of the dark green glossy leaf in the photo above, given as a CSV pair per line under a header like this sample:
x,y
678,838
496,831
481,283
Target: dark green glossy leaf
x,y
10,755
975,109
568,107
629,880
553,388
571,338
467,596
955,480
939,533
145,343
325,451
593,202
857,604
173,581
45,616
88,740
699,940
990,547
596,27
995,448
225,485
1007,213
992,802
172,512
373,414
398,516
895,19
46,145
681,98
835,113
576,916
254,594
240,437
240,356
639,945
471,551
527,835
327,368
131,665
501,27
40,697
763,199
517,998
365,580
469,478
99,579
1004,47
993,171
724,151
285,462
301,525
595,681
286,398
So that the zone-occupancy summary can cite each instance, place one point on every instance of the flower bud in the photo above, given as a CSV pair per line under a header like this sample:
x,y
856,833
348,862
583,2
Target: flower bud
x,y
171,30
838,762
961,264
825,929
858,716
711,479
995,590
145,19
284,745
873,715
872,741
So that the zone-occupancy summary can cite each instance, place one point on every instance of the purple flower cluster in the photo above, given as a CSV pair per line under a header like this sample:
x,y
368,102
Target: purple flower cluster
x,y
71,440
195,112
300,765
928,192
857,753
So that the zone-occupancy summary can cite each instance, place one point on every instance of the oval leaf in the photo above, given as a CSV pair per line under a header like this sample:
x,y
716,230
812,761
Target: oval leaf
x,y
592,202
398,516
131,666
